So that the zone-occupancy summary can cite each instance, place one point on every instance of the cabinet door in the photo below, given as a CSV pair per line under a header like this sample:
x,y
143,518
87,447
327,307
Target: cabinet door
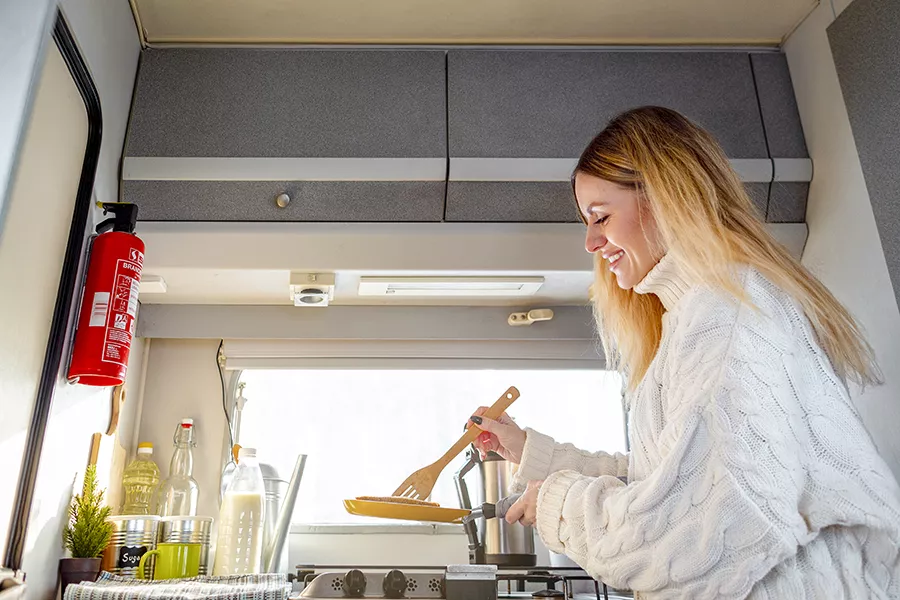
x,y
539,104
352,135
545,202
289,103
350,201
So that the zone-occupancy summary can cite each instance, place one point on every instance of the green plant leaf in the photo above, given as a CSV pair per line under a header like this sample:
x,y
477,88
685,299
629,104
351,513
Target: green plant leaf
x,y
88,531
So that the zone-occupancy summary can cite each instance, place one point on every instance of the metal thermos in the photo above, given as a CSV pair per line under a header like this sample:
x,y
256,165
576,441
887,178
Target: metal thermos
x,y
493,541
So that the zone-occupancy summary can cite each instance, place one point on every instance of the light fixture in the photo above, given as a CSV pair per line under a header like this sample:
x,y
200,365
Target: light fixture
x,y
449,286
312,289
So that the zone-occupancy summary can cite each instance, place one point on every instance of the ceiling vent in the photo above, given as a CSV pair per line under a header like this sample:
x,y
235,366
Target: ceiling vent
x,y
312,289
497,287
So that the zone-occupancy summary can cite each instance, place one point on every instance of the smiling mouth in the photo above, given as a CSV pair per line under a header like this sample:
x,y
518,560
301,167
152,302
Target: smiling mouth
x,y
614,259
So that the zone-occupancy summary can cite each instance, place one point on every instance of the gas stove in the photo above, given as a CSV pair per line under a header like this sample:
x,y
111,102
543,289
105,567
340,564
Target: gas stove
x,y
452,582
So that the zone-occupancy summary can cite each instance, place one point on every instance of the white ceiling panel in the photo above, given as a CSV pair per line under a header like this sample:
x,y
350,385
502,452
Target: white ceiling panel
x,y
578,22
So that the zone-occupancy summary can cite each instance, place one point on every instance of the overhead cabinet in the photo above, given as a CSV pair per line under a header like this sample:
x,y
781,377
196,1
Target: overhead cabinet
x,y
411,135
217,134
523,118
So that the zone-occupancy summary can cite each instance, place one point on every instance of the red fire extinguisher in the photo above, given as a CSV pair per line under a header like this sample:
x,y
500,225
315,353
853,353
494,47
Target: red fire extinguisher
x,y
106,321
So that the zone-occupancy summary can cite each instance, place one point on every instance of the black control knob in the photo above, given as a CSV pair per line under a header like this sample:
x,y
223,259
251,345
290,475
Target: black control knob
x,y
354,585
394,584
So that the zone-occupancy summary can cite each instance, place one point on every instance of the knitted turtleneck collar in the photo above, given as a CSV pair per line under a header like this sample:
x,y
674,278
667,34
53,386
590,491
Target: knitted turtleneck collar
x,y
666,281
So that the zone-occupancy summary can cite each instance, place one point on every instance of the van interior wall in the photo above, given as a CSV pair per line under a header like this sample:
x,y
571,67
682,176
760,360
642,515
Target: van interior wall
x,y
844,248
58,114
183,382
47,179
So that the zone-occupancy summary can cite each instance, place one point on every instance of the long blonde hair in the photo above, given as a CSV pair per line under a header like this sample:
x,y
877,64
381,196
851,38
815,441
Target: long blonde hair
x,y
708,225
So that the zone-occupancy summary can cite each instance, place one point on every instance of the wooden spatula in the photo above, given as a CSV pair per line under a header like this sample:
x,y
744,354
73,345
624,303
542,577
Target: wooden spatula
x,y
419,484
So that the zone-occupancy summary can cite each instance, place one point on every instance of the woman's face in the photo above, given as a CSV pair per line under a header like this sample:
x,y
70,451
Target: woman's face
x,y
618,229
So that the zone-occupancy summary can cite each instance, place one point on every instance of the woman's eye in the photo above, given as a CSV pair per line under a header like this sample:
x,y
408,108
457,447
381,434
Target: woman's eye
x,y
601,220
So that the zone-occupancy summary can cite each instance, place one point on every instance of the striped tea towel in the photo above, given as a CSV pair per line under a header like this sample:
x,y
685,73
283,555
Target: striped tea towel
x,y
266,586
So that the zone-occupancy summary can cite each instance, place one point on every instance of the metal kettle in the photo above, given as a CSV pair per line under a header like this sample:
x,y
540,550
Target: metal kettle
x,y
278,515
499,543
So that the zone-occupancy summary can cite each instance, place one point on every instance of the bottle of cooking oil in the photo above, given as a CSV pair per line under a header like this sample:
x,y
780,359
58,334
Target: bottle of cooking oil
x,y
139,482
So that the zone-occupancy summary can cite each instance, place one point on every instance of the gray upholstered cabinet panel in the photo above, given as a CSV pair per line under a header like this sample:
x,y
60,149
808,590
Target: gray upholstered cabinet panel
x,y
289,103
787,202
511,201
781,117
759,195
536,201
352,201
864,41
212,129
784,134
540,104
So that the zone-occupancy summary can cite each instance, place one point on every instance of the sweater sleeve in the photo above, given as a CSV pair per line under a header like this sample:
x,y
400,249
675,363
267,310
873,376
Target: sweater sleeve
x,y
543,456
709,521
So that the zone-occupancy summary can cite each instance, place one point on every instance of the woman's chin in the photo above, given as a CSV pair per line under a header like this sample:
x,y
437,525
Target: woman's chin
x,y
624,281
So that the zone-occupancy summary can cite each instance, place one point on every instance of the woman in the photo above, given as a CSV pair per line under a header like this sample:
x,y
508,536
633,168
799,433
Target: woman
x,y
750,472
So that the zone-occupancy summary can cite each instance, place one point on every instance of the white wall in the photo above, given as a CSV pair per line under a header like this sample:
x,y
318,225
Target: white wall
x,y
31,257
108,39
23,37
844,248
183,382
30,264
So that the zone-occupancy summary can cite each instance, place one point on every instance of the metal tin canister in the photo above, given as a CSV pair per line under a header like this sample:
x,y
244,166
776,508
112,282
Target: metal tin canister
x,y
188,530
132,537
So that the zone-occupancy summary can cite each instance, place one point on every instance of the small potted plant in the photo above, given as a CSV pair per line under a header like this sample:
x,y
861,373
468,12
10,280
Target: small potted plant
x,y
87,533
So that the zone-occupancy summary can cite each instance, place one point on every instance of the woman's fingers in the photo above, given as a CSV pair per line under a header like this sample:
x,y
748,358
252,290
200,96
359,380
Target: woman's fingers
x,y
506,419
515,512
495,433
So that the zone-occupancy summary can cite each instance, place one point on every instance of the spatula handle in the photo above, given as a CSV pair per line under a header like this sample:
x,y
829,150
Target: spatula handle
x,y
496,409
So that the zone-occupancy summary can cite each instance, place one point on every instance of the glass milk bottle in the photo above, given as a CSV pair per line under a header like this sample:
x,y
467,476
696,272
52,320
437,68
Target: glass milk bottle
x,y
241,519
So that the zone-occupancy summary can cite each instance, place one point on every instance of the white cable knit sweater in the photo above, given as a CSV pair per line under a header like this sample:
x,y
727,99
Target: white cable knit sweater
x,y
750,473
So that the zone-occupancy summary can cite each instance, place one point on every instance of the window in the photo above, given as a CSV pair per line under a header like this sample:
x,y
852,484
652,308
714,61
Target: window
x,y
365,431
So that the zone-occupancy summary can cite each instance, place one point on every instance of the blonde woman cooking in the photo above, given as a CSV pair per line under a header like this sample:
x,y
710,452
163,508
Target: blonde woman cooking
x,y
750,472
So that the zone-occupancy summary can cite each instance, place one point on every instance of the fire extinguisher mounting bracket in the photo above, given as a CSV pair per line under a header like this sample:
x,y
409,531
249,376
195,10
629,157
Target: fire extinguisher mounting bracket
x,y
124,217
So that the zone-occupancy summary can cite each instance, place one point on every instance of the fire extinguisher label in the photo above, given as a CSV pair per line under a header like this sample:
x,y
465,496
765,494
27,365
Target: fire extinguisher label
x,y
99,309
126,300
122,311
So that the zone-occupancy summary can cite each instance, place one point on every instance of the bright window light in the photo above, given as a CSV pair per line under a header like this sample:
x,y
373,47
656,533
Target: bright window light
x,y
366,430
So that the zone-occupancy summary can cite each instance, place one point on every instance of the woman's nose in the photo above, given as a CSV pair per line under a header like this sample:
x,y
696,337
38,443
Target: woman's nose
x,y
594,241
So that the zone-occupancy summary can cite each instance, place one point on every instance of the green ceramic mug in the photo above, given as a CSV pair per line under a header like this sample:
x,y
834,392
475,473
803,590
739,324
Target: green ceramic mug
x,y
173,561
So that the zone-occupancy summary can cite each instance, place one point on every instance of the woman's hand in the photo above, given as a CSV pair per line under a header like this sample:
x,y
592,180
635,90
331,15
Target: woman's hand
x,y
502,436
525,509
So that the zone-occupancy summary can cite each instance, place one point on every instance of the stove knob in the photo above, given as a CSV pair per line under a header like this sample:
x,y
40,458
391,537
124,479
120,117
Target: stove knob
x,y
354,585
394,584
